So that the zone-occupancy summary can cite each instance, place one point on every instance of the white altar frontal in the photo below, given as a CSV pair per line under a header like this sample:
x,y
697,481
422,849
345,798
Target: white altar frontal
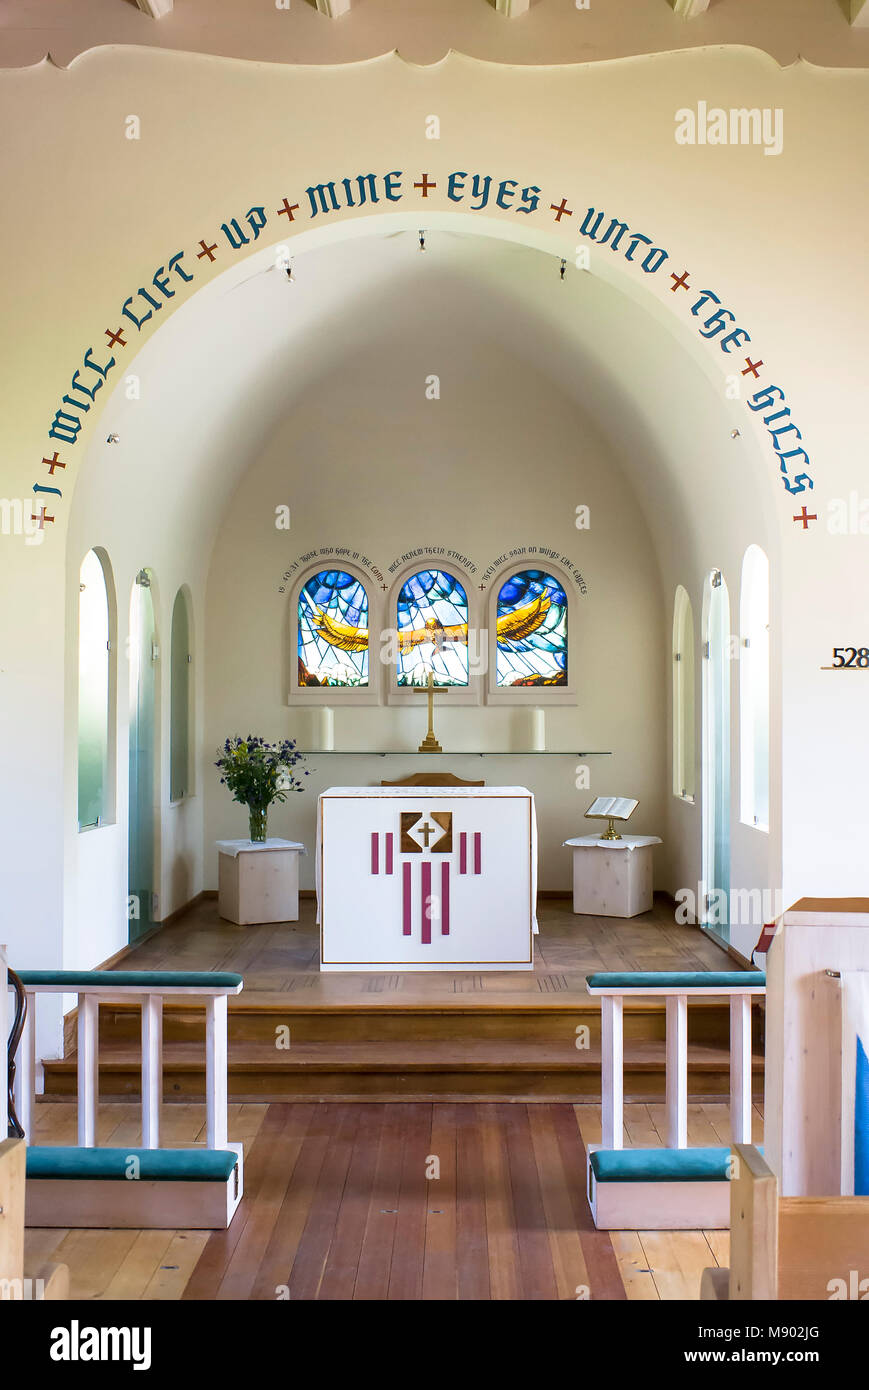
x,y
426,878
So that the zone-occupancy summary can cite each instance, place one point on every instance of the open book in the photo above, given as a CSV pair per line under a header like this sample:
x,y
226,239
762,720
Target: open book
x,y
612,807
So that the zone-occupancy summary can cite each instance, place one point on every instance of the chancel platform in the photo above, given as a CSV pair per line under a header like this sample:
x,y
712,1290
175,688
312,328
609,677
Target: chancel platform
x,y
426,878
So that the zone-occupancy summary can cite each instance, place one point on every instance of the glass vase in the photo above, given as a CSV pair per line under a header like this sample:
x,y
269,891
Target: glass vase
x,y
259,817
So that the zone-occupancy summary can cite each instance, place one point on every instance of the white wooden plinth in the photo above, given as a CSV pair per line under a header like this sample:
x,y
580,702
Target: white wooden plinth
x,y
259,885
659,1206
612,882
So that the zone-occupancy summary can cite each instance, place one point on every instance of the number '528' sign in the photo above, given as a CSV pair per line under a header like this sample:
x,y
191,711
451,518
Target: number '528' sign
x,y
849,656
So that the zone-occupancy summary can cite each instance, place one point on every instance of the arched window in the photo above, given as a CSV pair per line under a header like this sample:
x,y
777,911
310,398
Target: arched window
x,y
432,624
180,781
531,631
94,694
754,689
333,630
683,696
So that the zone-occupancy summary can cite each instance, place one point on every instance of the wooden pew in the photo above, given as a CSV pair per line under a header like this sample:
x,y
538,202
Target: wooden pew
x,y
50,1280
814,1248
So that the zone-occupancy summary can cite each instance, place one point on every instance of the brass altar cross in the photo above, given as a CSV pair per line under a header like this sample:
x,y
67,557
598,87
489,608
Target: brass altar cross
x,y
430,743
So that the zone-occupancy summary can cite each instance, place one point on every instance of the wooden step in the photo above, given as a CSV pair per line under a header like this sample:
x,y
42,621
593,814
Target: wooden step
x,y
472,1069
387,1020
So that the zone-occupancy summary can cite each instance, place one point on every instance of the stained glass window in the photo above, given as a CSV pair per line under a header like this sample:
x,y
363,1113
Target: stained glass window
x,y
333,630
432,630
532,631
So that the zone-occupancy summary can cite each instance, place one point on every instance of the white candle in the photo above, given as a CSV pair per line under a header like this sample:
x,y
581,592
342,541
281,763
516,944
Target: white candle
x,y
327,728
538,730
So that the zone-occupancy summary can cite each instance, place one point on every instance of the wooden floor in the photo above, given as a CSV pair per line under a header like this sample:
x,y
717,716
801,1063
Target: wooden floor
x,y
285,957
338,1205
337,1202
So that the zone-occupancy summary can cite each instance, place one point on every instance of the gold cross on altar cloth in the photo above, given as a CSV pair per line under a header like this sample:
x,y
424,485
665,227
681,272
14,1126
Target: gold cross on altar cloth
x,y
430,743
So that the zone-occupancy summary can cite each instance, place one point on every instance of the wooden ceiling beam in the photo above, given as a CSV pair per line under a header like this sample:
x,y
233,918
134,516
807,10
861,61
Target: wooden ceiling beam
x,y
689,9
157,9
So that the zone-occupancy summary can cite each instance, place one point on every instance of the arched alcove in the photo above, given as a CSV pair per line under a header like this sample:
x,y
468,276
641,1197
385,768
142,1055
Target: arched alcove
x,y
754,674
684,757
96,692
181,699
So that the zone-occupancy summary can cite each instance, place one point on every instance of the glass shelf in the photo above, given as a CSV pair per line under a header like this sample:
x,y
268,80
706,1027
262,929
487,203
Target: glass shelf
x,y
449,753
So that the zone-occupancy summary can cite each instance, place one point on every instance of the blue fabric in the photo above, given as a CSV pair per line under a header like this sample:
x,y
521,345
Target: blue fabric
x,y
661,1165
673,979
147,979
861,1123
176,1165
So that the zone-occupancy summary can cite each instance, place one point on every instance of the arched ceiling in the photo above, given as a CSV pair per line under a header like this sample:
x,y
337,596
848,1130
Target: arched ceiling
x,y
216,380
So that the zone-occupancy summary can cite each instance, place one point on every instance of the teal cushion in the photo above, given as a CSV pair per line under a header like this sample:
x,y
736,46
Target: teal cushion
x,y
176,1165
144,979
673,979
660,1165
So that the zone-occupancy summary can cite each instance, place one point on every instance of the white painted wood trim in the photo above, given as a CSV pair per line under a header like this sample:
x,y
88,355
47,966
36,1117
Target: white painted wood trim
x,y
740,1069
88,1069
216,1072
25,1070
612,1072
152,1069
677,1071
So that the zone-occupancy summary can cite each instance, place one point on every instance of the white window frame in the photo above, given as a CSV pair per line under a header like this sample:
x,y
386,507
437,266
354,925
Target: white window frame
x,y
335,695
459,695
540,695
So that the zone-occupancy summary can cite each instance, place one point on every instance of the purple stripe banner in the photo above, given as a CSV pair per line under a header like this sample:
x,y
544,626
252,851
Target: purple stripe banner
x,y
405,899
425,902
445,898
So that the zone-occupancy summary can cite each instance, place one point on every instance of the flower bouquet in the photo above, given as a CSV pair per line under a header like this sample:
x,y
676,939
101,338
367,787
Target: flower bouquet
x,y
258,773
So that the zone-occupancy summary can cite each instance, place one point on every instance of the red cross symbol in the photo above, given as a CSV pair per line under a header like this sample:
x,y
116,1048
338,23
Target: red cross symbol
x,y
806,517
206,251
43,517
681,281
752,367
482,587
562,211
425,185
115,337
53,463
287,210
